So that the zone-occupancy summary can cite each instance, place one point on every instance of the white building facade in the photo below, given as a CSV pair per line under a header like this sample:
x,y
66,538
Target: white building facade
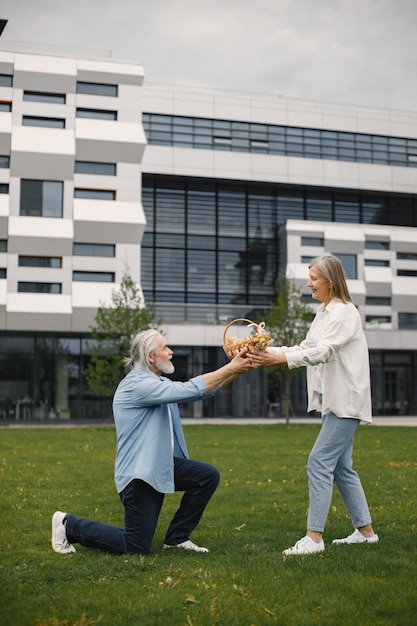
x,y
71,217
206,197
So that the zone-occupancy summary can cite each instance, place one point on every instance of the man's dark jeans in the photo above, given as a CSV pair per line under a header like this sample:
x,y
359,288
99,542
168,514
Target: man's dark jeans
x,y
142,507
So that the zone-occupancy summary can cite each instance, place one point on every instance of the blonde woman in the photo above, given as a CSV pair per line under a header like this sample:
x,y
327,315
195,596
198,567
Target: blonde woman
x,y
336,356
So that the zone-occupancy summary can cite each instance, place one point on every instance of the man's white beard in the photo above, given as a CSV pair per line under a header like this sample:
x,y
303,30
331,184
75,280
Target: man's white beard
x,y
165,368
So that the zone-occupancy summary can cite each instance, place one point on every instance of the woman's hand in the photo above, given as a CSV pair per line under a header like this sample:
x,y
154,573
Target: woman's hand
x,y
258,358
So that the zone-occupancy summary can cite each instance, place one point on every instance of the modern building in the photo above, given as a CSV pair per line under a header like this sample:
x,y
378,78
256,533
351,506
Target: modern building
x,y
231,191
71,218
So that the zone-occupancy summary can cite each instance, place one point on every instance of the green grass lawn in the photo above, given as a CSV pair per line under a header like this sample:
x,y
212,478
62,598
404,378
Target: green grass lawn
x,y
258,510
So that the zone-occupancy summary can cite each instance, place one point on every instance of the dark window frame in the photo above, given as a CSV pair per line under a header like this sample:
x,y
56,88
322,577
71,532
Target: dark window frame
x,y
39,261
93,249
33,198
93,277
97,89
105,115
85,193
24,286
95,168
44,96
44,122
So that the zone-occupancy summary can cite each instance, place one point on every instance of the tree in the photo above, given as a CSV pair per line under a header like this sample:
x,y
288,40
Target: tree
x,y
288,323
115,327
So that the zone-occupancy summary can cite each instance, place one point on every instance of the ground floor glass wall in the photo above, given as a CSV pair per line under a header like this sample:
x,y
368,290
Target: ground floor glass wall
x,y
42,378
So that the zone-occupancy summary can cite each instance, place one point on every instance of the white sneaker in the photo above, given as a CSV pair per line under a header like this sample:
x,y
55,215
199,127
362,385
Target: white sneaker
x,y
357,537
187,545
60,542
306,545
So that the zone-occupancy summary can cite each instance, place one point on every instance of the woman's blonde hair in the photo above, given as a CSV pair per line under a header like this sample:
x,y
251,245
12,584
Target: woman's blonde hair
x,y
331,268
143,344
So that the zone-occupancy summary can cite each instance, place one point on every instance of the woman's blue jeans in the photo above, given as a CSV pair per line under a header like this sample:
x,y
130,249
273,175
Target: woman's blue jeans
x,y
142,505
330,461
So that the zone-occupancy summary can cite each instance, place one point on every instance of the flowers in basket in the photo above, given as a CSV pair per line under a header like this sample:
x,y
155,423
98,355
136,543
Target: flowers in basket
x,y
258,339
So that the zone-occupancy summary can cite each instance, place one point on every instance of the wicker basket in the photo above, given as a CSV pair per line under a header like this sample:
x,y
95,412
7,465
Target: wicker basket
x,y
259,339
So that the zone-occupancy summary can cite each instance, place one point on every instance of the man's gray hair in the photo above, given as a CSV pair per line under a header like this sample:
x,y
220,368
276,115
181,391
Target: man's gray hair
x,y
142,345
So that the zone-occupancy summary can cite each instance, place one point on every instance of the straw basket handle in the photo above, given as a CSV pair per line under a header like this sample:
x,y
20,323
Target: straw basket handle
x,y
239,319
259,340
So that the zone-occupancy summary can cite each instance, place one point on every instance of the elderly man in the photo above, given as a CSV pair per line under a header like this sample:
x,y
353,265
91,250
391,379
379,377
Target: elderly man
x,y
151,456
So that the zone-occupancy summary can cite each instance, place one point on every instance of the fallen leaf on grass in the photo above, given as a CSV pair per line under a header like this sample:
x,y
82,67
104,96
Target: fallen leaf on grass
x,y
191,599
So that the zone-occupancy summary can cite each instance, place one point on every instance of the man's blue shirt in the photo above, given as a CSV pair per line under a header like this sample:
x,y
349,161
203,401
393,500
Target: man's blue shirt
x,y
148,427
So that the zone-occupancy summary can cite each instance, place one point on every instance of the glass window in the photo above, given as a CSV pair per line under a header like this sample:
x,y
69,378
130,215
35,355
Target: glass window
x,y
201,210
96,114
40,261
231,212
4,188
259,143
221,125
91,167
222,141
407,321
48,122
406,272
95,194
159,138
6,80
170,210
3,245
97,89
306,259
93,277
5,107
26,287
312,241
170,269
372,210
231,277
3,272
364,156
376,263
290,206
201,271
377,245
4,161
41,198
94,249
349,262
401,211
407,256
201,297
346,209
267,138
147,267
169,240
39,96
179,120
319,208
378,319
378,301
201,122
232,244
201,242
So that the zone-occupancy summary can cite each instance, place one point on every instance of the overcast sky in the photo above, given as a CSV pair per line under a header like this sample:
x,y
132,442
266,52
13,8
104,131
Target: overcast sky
x,y
349,51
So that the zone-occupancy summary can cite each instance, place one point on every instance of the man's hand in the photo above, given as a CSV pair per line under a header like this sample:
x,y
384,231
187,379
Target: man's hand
x,y
241,363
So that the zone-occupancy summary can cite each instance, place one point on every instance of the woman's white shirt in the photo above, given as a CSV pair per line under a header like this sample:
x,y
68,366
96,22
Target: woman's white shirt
x,y
335,353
